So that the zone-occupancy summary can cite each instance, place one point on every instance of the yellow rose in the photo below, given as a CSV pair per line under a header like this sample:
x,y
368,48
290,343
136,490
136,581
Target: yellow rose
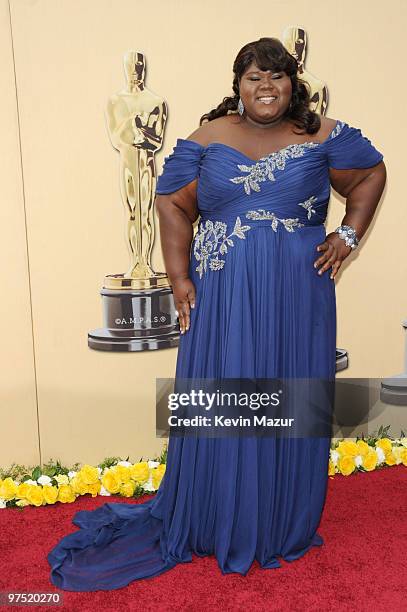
x,y
157,475
369,461
127,489
363,447
50,494
111,482
78,485
140,472
346,465
348,447
94,489
384,444
403,456
123,472
89,474
22,490
62,479
390,459
397,450
331,468
8,489
66,494
35,495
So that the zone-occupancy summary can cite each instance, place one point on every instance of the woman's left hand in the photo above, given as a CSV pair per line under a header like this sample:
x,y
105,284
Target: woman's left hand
x,y
334,252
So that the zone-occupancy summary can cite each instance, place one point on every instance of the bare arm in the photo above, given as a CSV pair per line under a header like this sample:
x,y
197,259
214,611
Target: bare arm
x,y
177,212
362,189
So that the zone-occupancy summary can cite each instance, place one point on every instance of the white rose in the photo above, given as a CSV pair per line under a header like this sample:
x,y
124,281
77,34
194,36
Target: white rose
x,y
44,480
148,486
334,456
32,482
100,470
153,464
2,503
125,463
72,474
380,454
358,460
104,491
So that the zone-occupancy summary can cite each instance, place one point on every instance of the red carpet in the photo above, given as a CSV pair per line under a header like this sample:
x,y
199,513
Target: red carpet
x,y
361,566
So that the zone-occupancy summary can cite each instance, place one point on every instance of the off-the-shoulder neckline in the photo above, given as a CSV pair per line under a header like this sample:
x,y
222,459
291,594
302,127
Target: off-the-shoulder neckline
x,y
255,161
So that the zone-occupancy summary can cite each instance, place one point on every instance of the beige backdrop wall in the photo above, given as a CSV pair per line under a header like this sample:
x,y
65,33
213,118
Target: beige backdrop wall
x,y
62,216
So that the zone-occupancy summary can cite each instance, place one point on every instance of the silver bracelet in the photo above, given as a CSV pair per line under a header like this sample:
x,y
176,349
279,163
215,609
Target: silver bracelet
x,y
348,234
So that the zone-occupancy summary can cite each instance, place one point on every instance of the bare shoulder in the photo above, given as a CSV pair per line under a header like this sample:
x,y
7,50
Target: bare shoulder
x,y
327,125
209,131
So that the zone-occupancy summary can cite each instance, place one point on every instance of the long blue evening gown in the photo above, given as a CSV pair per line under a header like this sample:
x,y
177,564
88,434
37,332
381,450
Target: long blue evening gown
x,y
263,311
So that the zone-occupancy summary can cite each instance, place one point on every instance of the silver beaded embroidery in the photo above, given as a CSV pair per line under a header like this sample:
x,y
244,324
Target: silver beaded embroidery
x,y
290,224
308,205
260,213
211,241
264,168
337,129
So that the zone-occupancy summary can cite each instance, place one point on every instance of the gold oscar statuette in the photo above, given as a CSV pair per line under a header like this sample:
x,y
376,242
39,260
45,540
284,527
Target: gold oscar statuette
x,y
138,305
294,39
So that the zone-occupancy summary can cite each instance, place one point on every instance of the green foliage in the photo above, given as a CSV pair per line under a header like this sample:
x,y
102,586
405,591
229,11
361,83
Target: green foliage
x,y
109,462
52,468
382,432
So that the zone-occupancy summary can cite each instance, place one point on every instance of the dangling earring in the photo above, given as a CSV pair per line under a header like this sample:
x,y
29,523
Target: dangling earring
x,y
240,107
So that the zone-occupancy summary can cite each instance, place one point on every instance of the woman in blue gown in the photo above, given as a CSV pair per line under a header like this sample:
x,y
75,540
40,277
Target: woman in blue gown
x,y
261,310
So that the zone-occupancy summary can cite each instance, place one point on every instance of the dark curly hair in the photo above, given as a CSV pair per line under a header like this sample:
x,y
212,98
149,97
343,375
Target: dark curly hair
x,y
270,54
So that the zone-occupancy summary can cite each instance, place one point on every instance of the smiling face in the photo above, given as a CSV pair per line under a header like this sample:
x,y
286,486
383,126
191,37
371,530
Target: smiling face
x,y
266,95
